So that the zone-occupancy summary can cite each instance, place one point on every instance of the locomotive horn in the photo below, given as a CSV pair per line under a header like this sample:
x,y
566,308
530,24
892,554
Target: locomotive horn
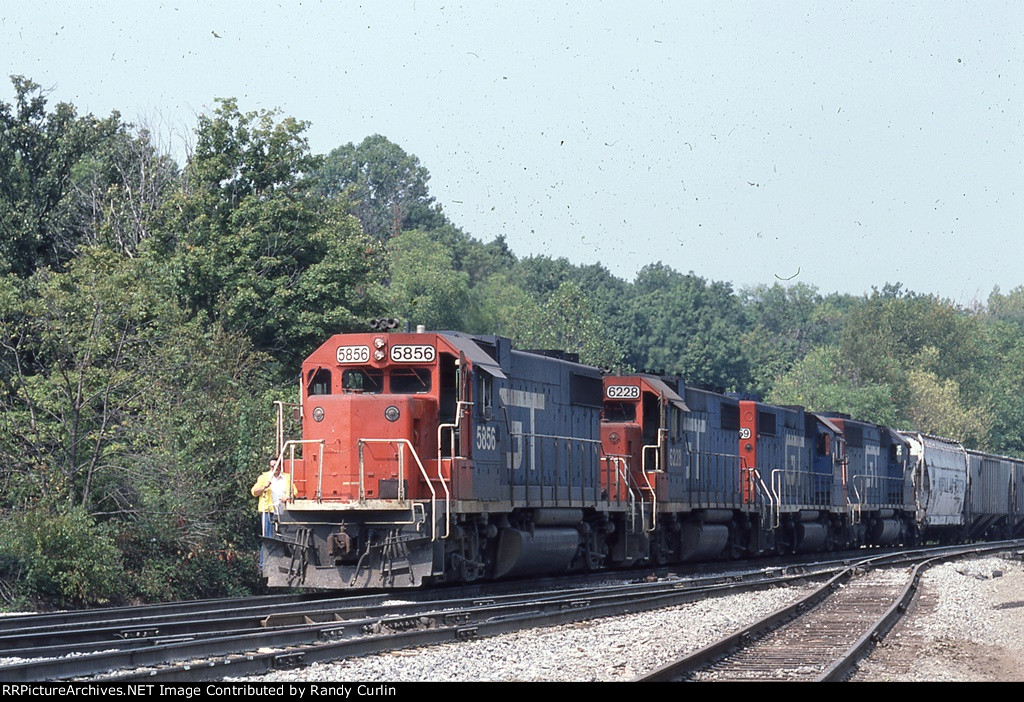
x,y
374,323
392,323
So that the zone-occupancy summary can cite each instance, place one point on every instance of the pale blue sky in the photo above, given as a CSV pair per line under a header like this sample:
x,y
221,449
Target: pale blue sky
x,y
844,144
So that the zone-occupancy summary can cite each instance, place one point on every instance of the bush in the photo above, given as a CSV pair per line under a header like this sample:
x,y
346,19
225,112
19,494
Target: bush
x,y
60,557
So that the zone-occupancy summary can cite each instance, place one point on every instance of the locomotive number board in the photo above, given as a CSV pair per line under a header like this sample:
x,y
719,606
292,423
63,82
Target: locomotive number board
x,y
623,392
353,354
413,353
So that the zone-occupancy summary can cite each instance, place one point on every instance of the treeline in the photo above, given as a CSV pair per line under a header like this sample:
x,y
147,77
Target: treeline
x,y
151,311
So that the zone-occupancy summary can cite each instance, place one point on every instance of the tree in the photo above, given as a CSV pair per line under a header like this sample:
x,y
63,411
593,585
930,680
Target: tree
x,y
255,246
121,190
39,153
882,337
1008,307
567,321
821,383
681,324
423,287
387,186
783,325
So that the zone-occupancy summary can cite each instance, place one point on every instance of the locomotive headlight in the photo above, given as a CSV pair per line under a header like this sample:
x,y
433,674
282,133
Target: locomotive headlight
x,y
379,342
318,414
392,414
379,355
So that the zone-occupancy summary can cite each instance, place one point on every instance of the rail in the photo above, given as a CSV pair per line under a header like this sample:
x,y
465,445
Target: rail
x,y
401,479
889,491
582,473
662,433
774,515
280,421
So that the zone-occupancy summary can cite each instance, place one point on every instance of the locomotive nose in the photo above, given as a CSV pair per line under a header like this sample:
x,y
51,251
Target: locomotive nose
x,y
373,444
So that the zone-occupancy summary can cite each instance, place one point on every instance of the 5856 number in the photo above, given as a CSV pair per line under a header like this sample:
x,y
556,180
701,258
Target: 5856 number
x,y
413,354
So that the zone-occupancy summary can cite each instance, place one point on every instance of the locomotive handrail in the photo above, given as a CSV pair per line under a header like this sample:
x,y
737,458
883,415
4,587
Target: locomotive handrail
x,y
855,505
623,473
291,444
773,507
776,483
280,421
527,452
556,437
654,505
401,479
662,433
863,477
460,407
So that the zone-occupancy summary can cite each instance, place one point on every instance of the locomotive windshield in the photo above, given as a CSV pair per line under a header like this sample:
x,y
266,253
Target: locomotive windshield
x,y
619,412
365,380
408,381
370,381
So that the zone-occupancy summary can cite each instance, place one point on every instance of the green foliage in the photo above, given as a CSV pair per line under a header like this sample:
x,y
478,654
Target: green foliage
x,y
387,186
257,248
936,406
424,288
502,307
39,151
683,325
75,342
1008,307
122,185
60,556
1004,372
783,325
882,337
821,383
568,321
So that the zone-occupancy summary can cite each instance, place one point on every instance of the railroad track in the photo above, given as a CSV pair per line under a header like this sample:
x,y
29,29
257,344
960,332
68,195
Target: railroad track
x,y
330,629
819,638
210,641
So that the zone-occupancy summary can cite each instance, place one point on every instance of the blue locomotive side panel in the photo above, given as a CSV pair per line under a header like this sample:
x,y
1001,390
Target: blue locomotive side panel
x,y
897,490
550,440
711,475
784,459
827,458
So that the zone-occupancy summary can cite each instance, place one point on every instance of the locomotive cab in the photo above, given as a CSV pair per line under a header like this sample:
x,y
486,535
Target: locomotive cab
x,y
386,441
370,405
641,432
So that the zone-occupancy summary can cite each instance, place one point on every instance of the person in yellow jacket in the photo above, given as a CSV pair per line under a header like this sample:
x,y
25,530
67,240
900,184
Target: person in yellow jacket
x,y
274,488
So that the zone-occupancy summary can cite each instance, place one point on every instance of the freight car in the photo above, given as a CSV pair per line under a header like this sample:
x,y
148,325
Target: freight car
x,y
448,457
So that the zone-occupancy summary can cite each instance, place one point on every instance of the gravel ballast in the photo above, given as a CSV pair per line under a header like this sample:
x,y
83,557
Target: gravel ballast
x,y
967,624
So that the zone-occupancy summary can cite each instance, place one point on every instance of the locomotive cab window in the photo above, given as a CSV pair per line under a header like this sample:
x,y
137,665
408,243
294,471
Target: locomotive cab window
x,y
410,381
486,395
619,412
675,422
319,382
362,380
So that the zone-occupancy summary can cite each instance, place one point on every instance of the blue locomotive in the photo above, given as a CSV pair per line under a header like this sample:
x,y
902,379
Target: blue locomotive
x,y
449,457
